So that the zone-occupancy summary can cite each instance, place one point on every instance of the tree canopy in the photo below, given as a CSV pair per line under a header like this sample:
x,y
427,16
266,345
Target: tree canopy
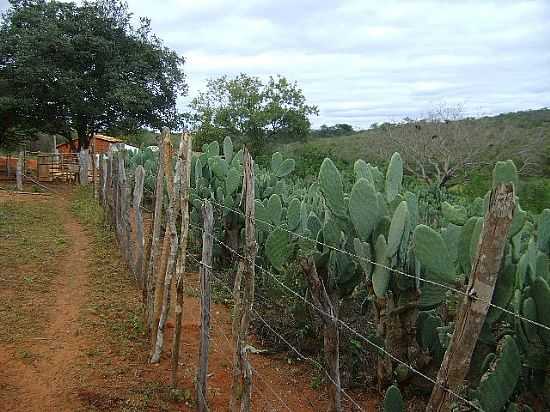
x,y
70,68
250,110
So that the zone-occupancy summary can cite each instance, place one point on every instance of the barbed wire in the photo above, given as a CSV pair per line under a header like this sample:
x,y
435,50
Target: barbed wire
x,y
300,355
394,270
220,330
346,326
434,283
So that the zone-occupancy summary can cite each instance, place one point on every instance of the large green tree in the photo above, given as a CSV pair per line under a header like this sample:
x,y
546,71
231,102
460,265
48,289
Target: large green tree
x,y
84,68
251,111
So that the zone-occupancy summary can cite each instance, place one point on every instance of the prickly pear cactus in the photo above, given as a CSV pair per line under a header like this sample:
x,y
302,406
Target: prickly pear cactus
x,y
364,209
505,172
393,401
498,383
330,182
394,177
432,252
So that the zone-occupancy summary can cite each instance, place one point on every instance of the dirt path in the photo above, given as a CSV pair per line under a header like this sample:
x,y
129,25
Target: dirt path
x,y
49,382
88,351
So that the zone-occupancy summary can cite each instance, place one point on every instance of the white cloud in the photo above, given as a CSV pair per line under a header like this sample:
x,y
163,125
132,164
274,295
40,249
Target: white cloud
x,y
364,61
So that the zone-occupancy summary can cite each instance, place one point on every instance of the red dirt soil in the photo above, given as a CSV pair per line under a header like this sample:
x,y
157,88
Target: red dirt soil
x,y
59,380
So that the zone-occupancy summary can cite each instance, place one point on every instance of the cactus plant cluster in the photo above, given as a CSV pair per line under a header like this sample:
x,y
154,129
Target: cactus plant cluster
x,y
375,222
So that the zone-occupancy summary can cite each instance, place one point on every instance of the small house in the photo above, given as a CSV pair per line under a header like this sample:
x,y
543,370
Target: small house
x,y
99,144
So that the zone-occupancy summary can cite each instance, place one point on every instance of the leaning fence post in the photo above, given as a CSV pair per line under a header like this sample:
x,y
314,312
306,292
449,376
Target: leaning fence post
x,y
184,234
170,250
125,229
475,304
205,273
137,260
243,296
19,172
155,240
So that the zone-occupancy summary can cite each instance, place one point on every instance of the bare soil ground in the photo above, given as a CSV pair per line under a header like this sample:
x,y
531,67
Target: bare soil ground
x,y
72,337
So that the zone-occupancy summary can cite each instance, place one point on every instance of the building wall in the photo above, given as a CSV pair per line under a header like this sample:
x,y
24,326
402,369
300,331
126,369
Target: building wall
x,y
101,146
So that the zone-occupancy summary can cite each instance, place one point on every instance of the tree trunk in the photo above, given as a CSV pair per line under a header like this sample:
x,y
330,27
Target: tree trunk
x,y
328,308
187,154
243,296
205,272
473,312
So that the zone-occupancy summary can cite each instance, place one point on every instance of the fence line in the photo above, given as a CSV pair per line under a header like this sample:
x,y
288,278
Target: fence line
x,y
349,328
434,283
300,355
220,330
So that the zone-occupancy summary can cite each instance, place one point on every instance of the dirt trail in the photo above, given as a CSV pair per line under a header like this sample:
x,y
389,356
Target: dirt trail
x,y
71,363
50,382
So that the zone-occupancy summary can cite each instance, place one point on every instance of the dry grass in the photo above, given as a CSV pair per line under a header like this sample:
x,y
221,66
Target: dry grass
x,y
32,241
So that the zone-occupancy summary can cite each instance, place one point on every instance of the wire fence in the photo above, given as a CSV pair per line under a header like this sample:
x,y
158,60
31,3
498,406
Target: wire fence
x,y
345,326
287,343
342,325
394,270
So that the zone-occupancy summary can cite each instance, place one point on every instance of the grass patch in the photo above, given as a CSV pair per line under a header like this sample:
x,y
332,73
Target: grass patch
x,y
32,239
113,318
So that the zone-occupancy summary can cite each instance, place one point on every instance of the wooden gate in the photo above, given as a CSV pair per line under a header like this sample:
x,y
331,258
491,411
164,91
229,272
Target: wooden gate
x,y
58,167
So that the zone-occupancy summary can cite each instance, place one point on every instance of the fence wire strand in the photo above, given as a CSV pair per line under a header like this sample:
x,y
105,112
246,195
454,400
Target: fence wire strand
x,y
220,330
302,356
449,288
346,326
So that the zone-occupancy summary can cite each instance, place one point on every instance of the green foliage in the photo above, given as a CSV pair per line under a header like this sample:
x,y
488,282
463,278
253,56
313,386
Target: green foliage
x,y
91,70
277,248
250,110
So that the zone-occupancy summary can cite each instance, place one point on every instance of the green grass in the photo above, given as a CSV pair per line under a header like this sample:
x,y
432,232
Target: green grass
x,y
32,243
113,319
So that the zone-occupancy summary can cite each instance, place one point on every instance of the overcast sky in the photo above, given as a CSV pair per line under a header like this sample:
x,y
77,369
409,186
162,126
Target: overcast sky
x,y
368,61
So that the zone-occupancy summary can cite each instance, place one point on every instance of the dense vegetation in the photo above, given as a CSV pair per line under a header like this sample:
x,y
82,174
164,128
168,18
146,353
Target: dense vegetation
x,y
76,69
358,236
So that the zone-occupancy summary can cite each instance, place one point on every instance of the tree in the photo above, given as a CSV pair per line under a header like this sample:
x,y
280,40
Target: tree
x,y
67,68
250,110
446,144
339,129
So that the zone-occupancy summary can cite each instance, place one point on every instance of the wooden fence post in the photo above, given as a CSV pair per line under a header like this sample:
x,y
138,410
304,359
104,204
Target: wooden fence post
x,y
155,240
472,312
115,194
19,172
125,227
328,306
186,158
94,183
109,188
205,273
103,182
83,158
243,296
170,251
137,260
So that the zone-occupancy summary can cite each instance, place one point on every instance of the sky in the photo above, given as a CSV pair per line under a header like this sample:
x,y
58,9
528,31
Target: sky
x,y
363,61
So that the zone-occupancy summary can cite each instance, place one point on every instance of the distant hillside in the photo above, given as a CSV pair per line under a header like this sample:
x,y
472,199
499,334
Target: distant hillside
x,y
506,135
